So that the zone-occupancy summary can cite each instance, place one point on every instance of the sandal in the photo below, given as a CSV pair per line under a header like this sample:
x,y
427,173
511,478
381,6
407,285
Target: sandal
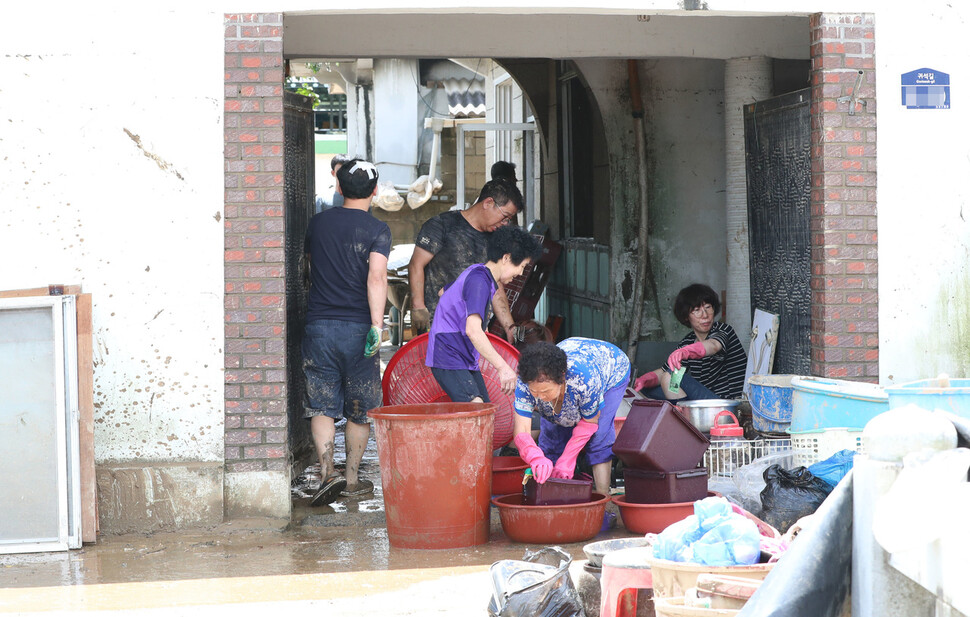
x,y
329,491
363,487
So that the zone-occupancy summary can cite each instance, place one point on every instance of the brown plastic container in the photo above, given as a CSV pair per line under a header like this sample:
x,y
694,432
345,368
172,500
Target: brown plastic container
x,y
557,491
645,486
656,436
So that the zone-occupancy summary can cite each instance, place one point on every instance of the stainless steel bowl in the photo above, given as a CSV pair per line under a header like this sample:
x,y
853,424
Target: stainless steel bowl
x,y
596,550
701,413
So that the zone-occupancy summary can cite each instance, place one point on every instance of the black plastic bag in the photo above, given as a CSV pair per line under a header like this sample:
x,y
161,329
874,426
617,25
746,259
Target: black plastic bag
x,y
790,494
537,586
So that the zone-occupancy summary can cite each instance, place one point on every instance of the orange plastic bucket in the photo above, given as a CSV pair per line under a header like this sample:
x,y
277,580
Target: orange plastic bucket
x,y
436,471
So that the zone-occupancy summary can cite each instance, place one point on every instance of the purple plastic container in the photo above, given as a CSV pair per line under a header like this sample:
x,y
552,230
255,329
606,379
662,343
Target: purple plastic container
x,y
645,486
658,437
557,491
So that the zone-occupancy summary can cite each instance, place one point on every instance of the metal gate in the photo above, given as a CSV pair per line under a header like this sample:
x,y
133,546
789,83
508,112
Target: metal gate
x,y
777,136
298,156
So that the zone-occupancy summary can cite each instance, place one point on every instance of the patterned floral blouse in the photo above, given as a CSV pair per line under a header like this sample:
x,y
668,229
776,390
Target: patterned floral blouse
x,y
592,368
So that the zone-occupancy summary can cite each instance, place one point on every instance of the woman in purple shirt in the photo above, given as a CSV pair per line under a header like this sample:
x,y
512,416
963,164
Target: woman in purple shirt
x,y
457,338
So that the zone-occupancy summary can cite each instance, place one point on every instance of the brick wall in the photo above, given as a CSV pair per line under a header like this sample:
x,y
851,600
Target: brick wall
x,y
255,348
844,331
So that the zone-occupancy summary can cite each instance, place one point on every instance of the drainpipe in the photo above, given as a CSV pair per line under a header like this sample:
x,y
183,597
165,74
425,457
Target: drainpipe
x,y
436,125
359,78
644,272
415,198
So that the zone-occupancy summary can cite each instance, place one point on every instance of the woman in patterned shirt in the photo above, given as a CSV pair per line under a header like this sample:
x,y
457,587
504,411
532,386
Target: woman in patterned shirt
x,y
711,351
576,387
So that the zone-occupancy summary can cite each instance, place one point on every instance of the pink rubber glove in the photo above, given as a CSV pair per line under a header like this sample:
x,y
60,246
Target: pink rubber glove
x,y
647,380
531,454
566,464
694,350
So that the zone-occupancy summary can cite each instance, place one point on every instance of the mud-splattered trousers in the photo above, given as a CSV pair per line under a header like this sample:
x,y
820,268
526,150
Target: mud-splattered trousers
x,y
340,381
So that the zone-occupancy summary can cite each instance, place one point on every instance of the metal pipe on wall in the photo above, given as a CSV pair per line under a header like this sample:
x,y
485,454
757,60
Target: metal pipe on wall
x,y
644,273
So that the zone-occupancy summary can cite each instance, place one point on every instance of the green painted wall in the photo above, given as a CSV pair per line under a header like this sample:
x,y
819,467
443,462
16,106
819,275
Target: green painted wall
x,y
331,144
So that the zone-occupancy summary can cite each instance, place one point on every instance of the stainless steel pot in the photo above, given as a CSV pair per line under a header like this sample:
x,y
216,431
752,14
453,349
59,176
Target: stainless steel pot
x,y
701,413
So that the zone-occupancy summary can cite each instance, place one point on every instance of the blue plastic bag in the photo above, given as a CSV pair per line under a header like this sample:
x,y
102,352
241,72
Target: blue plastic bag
x,y
673,543
834,468
714,535
712,511
734,542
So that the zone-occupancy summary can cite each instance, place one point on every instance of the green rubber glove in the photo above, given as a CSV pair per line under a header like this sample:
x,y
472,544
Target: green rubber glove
x,y
373,342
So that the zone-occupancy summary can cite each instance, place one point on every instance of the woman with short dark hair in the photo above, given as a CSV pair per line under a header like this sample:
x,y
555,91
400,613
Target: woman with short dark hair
x,y
457,340
576,387
711,352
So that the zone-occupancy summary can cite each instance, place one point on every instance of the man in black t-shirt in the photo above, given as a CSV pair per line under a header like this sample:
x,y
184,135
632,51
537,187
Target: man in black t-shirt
x,y
452,241
347,251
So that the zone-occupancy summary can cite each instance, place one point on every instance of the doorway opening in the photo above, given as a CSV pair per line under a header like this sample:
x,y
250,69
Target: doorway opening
x,y
684,82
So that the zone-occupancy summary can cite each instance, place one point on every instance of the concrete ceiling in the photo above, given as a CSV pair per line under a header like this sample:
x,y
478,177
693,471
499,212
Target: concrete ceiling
x,y
697,34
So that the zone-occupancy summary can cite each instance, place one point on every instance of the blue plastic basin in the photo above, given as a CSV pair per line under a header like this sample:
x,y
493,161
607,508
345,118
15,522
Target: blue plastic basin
x,y
929,394
820,403
770,397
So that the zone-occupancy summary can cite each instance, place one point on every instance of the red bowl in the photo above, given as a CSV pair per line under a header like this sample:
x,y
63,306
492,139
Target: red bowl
x,y
563,524
507,473
651,517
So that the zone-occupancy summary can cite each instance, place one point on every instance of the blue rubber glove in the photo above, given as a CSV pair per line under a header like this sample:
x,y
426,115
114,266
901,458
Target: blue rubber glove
x,y
373,342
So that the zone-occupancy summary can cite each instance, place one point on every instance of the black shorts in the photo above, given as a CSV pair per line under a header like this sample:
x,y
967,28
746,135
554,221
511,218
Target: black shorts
x,y
461,385
340,381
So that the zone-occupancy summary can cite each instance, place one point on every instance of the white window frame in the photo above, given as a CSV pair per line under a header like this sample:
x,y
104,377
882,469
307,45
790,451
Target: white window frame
x,y
508,127
66,451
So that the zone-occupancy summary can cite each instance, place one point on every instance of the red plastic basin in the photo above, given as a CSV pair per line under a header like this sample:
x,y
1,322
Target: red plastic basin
x,y
651,517
507,473
550,524
618,424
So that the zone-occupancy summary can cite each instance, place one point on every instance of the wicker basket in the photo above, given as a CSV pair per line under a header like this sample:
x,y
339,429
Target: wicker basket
x,y
407,381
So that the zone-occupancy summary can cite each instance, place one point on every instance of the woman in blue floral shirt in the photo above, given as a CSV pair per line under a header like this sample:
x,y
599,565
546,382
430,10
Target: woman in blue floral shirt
x,y
576,386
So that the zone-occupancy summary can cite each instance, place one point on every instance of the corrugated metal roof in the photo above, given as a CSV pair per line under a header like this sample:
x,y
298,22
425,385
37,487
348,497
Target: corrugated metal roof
x,y
466,97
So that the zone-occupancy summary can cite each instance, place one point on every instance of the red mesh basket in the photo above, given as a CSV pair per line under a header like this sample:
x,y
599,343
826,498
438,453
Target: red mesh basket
x,y
407,381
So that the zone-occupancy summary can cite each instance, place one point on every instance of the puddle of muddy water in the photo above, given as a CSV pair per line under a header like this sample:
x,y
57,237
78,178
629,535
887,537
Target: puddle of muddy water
x,y
346,536
229,551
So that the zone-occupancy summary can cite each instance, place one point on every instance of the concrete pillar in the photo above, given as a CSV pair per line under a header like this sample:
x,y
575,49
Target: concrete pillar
x,y
746,80
360,108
